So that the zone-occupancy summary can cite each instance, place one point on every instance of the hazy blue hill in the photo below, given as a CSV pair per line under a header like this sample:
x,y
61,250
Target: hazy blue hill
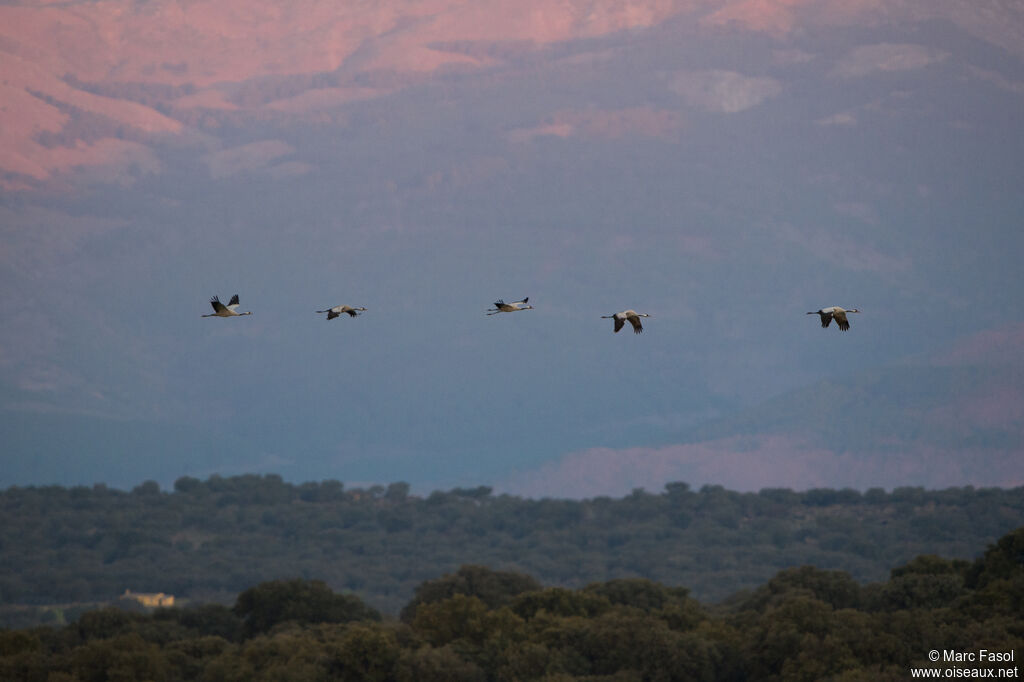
x,y
723,178
137,449
882,409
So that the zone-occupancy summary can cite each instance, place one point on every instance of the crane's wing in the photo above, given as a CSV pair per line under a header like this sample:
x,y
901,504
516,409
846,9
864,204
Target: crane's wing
x,y
500,302
635,321
351,312
218,307
234,300
332,313
841,320
619,324
826,319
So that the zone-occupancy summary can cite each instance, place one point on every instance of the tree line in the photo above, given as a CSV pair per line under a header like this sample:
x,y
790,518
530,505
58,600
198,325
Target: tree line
x,y
208,540
481,625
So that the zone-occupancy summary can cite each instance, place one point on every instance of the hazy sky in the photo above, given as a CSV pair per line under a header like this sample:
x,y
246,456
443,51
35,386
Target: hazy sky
x,y
725,169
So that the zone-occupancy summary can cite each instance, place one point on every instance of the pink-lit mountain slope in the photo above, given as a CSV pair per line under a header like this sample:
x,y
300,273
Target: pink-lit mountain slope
x,y
956,418
98,83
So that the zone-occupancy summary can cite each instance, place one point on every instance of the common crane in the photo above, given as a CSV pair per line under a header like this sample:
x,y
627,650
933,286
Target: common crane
x,y
631,315
501,307
229,310
341,310
834,313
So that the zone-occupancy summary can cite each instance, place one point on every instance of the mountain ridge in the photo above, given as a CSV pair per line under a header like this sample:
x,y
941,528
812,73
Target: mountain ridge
x,y
46,49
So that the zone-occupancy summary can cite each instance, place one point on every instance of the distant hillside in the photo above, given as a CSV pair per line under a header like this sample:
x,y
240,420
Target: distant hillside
x,y
757,157
90,84
936,424
884,409
208,540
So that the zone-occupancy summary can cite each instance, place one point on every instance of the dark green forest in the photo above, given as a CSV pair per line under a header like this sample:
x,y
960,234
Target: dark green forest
x,y
207,541
482,625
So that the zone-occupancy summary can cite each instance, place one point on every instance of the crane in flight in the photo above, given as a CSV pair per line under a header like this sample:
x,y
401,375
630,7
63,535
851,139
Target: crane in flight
x,y
501,307
834,313
631,316
339,310
229,310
